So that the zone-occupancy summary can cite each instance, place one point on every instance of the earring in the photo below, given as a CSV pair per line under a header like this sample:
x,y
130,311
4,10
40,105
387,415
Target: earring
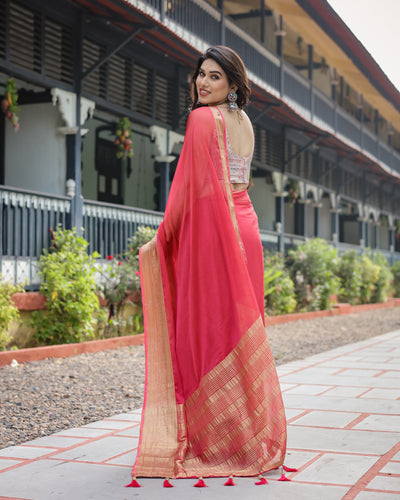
x,y
232,98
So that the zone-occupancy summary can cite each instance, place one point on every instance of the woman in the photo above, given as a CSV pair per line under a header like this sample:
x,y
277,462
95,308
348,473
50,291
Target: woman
x,y
213,405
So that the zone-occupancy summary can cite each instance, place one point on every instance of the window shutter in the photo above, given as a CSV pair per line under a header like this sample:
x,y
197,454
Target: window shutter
x,y
119,81
36,43
2,29
184,104
95,83
25,30
58,51
275,145
142,90
163,100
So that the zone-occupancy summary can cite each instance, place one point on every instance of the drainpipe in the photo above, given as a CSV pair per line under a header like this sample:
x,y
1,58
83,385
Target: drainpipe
x,y
222,22
279,38
262,20
310,77
279,180
76,216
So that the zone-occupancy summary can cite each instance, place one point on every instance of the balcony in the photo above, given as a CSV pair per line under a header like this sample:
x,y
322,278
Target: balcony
x,y
200,24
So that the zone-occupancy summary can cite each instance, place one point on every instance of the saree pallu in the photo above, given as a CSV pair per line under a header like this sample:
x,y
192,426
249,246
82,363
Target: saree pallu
x,y
213,405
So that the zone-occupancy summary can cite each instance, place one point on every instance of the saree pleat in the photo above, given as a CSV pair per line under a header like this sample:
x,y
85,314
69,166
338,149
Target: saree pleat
x,y
213,405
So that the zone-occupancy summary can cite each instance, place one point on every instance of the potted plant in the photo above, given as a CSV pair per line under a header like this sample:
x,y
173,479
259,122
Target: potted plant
x,y
124,138
9,104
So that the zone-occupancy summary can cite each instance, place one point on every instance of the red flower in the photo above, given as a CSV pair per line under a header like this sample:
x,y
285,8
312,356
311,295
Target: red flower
x,y
120,263
137,273
110,257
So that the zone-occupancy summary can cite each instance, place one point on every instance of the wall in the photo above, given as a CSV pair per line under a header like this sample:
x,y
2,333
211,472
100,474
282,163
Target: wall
x,y
35,157
351,233
289,217
137,186
324,226
252,26
310,230
384,238
263,202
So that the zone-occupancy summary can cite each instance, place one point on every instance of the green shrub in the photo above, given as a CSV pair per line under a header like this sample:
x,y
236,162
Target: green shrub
x,y
143,235
278,286
384,283
351,275
120,280
116,285
369,278
314,272
396,278
8,311
68,283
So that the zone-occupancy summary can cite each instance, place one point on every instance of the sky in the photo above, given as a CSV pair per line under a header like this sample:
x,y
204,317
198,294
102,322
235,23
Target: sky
x,y
377,25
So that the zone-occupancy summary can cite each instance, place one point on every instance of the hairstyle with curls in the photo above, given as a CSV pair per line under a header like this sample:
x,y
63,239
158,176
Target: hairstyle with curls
x,y
234,69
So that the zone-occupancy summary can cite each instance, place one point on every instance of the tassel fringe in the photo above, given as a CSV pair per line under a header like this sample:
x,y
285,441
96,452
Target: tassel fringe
x,y
261,480
167,484
285,468
230,482
289,469
201,484
133,484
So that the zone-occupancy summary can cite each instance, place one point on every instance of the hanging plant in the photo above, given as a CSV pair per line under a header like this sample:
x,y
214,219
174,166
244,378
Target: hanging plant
x,y
291,188
9,104
324,65
124,138
299,43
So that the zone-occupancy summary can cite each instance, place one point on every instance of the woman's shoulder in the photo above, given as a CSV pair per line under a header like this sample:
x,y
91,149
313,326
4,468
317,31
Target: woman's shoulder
x,y
201,119
246,118
202,113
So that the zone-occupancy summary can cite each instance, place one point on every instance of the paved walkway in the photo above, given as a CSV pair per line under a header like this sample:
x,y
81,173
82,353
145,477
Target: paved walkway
x,y
343,410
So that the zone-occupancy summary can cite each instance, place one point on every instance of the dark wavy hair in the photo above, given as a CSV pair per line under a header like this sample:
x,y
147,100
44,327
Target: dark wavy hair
x,y
234,69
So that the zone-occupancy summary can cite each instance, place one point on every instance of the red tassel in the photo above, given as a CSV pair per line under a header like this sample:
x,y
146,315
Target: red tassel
x,y
167,484
262,480
284,478
200,483
230,482
133,484
288,469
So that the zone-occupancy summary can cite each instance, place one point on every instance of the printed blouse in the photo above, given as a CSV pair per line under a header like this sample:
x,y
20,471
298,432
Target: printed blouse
x,y
239,166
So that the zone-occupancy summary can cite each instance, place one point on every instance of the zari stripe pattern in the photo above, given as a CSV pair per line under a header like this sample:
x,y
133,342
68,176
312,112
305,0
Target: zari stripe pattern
x,y
158,436
230,420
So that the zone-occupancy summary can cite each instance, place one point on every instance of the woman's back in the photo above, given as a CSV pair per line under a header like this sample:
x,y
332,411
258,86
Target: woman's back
x,y
239,131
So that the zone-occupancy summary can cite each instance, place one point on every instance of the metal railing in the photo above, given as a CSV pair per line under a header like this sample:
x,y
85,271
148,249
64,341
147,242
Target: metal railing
x,y
109,227
27,216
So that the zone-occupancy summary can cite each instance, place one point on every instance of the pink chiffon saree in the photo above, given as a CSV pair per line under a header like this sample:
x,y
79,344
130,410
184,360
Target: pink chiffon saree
x,y
213,404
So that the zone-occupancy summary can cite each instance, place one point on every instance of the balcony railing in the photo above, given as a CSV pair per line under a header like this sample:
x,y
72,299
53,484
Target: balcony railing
x,y
26,218
108,227
199,23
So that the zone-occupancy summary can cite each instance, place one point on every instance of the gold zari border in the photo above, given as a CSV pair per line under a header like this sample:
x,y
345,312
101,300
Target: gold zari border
x,y
158,445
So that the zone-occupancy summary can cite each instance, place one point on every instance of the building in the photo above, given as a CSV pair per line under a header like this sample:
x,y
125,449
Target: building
x,y
326,120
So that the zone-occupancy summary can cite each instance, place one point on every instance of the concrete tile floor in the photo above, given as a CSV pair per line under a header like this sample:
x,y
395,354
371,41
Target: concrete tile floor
x,y
343,410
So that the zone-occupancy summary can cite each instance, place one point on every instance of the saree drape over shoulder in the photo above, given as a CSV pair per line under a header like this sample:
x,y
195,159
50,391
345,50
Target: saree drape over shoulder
x,y
213,404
